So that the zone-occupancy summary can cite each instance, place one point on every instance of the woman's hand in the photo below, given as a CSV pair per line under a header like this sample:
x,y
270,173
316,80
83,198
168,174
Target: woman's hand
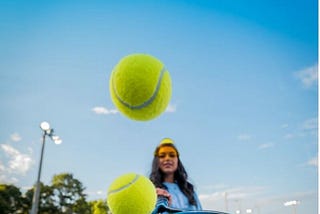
x,y
165,193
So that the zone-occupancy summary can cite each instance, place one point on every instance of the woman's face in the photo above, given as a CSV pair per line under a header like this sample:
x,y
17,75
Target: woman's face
x,y
168,160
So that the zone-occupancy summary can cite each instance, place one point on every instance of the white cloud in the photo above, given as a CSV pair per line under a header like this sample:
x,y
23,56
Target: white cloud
x,y
18,162
4,178
15,137
2,167
310,124
288,136
308,76
171,108
103,110
309,127
5,175
219,200
244,137
100,192
266,145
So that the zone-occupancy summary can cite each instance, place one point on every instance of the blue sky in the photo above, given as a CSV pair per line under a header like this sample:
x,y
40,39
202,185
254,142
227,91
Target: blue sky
x,y
244,106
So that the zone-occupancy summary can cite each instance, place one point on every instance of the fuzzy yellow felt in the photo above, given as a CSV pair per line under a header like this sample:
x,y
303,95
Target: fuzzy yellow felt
x,y
131,194
140,87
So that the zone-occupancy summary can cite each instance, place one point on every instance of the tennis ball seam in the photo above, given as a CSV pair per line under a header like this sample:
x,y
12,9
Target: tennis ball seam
x,y
147,102
125,186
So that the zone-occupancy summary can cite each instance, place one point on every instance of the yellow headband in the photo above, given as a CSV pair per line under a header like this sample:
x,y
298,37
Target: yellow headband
x,y
166,142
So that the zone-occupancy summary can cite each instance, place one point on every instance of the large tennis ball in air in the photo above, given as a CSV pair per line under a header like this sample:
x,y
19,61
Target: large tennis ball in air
x,y
131,194
140,87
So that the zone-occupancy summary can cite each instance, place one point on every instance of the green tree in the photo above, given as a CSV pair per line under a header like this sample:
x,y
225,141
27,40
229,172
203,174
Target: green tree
x,y
69,194
11,200
64,195
47,204
99,207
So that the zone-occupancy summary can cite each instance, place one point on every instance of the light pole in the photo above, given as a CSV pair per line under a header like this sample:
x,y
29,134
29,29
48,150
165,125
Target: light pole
x,y
293,203
226,201
47,131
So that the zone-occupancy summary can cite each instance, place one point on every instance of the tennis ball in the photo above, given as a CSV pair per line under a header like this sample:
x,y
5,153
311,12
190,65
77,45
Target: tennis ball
x,y
131,193
140,87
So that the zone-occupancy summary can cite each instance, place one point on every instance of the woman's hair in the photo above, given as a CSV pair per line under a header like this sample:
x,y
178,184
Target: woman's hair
x,y
180,177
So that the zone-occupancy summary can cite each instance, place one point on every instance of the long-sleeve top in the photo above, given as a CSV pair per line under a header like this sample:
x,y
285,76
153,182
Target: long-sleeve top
x,y
179,200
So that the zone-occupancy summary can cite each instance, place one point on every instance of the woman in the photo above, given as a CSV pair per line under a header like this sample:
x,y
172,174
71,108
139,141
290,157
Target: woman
x,y
171,179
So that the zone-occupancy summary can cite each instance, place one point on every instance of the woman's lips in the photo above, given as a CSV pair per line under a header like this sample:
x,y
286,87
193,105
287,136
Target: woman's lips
x,y
167,165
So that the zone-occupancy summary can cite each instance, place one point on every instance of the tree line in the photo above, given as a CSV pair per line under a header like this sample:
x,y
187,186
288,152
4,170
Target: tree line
x,y
65,194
